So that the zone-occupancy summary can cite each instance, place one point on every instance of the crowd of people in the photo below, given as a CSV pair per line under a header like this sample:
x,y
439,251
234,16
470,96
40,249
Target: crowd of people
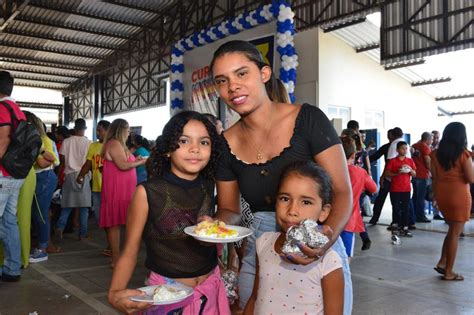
x,y
285,163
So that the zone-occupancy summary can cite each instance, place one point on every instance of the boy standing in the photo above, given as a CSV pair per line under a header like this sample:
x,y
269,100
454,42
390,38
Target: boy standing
x,y
400,169
360,182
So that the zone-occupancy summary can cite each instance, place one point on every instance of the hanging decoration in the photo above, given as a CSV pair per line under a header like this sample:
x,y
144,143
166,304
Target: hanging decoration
x,y
278,9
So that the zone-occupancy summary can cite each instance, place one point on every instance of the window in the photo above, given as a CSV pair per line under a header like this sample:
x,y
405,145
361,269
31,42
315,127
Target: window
x,y
339,112
373,119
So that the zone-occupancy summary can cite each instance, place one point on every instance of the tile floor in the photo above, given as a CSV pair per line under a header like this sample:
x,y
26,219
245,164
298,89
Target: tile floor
x,y
387,279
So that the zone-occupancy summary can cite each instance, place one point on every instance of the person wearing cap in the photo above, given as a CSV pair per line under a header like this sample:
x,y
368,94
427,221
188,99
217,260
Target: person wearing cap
x,y
73,154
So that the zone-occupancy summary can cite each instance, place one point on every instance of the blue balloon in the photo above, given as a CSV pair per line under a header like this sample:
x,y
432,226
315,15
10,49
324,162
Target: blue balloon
x,y
231,28
176,52
177,85
177,103
185,45
244,22
195,40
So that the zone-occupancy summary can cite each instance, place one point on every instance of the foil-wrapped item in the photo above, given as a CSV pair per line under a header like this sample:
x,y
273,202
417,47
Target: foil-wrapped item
x,y
307,232
230,282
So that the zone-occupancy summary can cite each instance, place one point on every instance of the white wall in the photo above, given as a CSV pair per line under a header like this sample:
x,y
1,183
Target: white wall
x,y
151,120
306,44
467,120
347,78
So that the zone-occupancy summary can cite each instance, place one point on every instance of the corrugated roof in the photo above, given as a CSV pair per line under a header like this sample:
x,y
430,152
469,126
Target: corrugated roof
x,y
54,42
458,66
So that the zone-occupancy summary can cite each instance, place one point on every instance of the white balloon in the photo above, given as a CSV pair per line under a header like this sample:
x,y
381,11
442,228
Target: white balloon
x,y
201,40
189,42
179,46
212,35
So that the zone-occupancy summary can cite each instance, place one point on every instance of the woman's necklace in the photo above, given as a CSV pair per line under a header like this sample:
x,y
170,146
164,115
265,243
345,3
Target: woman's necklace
x,y
257,147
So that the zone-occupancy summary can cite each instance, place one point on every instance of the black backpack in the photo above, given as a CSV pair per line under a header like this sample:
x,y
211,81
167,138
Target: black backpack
x,y
24,147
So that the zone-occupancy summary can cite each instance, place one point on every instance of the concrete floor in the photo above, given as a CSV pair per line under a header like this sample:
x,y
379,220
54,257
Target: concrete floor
x,y
387,279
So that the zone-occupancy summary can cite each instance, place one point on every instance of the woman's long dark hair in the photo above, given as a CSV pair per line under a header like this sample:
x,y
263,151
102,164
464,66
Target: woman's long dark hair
x,y
452,145
158,162
254,55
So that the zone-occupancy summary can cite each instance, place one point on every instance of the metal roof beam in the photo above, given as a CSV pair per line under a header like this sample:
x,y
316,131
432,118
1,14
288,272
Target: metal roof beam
x,y
339,25
454,97
404,64
67,10
444,112
52,50
72,28
464,113
45,79
431,81
59,40
36,71
367,47
40,105
41,84
45,63
135,7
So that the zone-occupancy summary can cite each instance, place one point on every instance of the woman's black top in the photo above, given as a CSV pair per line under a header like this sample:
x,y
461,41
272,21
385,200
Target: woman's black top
x,y
174,204
258,183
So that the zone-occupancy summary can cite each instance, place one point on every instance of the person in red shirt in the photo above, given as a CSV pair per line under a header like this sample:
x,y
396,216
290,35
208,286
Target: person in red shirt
x,y
421,157
9,186
360,182
400,169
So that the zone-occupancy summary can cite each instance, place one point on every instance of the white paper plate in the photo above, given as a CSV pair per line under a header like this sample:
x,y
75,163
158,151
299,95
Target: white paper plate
x,y
405,170
243,232
148,298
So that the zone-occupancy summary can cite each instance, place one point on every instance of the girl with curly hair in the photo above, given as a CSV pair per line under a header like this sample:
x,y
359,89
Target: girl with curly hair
x,y
179,189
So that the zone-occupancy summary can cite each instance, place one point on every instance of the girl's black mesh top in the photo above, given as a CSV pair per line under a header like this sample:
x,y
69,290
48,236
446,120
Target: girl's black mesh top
x,y
174,204
258,183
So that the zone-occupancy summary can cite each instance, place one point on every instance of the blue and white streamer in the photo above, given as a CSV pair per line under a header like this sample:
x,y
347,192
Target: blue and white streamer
x,y
278,9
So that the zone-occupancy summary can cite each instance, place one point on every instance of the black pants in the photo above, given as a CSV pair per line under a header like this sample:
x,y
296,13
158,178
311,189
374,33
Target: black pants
x,y
401,208
380,200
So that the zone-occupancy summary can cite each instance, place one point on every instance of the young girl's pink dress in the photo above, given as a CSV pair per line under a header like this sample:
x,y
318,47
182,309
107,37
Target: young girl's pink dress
x,y
117,191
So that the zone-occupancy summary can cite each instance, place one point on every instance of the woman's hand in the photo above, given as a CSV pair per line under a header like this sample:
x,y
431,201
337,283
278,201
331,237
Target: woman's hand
x,y
205,218
120,300
80,179
313,254
48,156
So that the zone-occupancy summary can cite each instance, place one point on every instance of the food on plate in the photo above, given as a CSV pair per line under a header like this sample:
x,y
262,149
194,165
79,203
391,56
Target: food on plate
x,y
216,229
405,169
165,293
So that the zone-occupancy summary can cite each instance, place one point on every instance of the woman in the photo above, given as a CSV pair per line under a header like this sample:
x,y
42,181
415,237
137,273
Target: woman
x,y
452,172
46,181
141,148
118,183
269,136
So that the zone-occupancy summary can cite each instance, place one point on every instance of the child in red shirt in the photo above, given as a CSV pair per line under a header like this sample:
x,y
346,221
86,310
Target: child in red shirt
x,y
400,169
360,182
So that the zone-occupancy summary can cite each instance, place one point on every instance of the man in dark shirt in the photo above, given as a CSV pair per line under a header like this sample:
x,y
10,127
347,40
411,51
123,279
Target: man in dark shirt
x,y
9,186
384,183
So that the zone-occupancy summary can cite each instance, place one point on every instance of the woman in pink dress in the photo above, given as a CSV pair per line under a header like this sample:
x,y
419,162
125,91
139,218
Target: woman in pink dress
x,y
119,179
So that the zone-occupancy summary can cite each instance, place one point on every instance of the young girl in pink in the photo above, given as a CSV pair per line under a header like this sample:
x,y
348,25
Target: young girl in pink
x,y
179,190
284,288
